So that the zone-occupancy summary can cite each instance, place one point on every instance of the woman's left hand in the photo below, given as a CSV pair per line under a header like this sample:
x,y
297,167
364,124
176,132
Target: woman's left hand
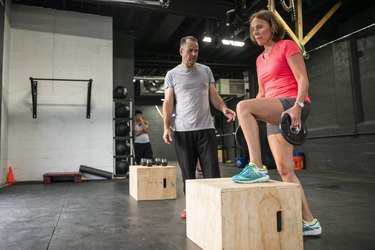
x,y
295,116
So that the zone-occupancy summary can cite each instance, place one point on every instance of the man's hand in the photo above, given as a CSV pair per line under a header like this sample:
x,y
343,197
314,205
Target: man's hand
x,y
230,114
167,136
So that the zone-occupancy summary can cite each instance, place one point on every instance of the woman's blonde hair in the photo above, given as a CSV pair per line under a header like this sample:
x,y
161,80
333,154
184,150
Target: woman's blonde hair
x,y
268,16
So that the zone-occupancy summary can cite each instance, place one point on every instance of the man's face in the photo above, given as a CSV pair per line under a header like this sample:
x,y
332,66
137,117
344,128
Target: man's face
x,y
189,53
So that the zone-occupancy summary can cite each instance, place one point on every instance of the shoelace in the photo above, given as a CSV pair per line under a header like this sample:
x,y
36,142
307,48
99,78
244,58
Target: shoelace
x,y
247,169
312,223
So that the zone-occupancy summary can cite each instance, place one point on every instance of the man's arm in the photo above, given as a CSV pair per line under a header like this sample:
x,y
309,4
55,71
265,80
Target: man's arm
x,y
219,104
167,114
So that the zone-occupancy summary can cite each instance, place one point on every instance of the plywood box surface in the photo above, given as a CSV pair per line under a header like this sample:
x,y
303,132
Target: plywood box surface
x,y
222,214
152,183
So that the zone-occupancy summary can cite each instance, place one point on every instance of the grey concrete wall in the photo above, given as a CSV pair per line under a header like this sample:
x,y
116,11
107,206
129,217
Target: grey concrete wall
x,y
341,124
4,91
342,121
160,148
48,43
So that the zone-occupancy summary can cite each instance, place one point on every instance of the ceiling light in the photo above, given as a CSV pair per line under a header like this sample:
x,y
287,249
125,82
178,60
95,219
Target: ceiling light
x,y
230,17
207,39
164,3
233,43
161,3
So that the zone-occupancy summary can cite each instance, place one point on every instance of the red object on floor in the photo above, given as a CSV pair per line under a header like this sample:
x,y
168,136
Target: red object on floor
x,y
47,177
183,214
298,162
299,159
10,177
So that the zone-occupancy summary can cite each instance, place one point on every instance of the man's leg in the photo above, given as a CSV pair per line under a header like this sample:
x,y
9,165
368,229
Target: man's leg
x,y
207,150
186,154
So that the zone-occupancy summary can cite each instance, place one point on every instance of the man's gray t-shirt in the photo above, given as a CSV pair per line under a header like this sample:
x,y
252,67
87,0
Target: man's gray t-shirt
x,y
191,92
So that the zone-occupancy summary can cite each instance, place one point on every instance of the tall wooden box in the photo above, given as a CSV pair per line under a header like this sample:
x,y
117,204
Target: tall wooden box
x,y
221,214
152,183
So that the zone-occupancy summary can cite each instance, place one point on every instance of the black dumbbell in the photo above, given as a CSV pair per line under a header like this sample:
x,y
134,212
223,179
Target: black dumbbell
x,y
164,162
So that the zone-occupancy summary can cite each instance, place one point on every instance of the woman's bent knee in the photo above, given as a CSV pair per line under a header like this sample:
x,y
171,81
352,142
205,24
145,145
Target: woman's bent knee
x,y
243,107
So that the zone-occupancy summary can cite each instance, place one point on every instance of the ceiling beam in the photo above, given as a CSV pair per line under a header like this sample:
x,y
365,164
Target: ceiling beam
x,y
166,29
207,9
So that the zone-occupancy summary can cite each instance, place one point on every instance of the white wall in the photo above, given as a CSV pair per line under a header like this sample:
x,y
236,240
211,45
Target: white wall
x,y
47,43
5,97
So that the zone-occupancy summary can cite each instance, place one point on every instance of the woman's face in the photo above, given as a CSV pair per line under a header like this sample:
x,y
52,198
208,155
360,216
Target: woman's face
x,y
262,31
138,117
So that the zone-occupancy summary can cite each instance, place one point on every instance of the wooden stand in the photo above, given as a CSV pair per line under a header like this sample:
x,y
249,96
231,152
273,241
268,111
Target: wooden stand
x,y
222,214
152,183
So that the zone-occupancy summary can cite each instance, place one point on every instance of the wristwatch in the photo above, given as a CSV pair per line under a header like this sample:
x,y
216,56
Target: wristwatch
x,y
300,104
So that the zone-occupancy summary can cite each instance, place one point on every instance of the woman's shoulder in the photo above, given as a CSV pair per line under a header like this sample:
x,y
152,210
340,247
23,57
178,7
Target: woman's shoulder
x,y
287,43
289,47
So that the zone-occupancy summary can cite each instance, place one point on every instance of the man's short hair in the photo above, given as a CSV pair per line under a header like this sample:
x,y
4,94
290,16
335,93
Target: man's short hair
x,y
184,39
137,112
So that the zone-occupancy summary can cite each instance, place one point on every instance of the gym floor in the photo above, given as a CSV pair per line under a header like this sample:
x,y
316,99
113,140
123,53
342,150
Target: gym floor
x,y
102,215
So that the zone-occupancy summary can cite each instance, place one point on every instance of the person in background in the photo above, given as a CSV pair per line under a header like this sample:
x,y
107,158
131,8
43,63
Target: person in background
x,y
283,88
192,86
142,145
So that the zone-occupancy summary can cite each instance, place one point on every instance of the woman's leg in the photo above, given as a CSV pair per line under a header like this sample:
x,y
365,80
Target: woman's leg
x,y
138,153
148,151
283,154
251,110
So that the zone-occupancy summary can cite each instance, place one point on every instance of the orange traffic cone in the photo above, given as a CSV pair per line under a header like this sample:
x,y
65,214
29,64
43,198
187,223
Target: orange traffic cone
x,y
10,177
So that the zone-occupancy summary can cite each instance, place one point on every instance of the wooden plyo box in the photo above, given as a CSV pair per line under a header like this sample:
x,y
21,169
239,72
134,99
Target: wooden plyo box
x,y
152,183
221,214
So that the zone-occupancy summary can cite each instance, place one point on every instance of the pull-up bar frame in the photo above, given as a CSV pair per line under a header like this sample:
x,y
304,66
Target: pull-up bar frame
x,y
298,37
34,92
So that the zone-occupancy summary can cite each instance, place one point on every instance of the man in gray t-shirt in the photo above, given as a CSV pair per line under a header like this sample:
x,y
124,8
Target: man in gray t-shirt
x,y
191,89
192,86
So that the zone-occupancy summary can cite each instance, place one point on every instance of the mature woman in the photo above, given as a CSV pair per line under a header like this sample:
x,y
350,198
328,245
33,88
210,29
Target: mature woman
x,y
283,88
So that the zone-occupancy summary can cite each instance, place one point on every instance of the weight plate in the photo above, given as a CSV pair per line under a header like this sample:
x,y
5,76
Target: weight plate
x,y
292,135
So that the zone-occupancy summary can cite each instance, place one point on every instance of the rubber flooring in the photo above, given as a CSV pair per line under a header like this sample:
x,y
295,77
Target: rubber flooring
x,y
102,214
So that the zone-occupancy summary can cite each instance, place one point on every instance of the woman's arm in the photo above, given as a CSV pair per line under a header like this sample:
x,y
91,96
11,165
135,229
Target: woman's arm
x,y
260,90
298,67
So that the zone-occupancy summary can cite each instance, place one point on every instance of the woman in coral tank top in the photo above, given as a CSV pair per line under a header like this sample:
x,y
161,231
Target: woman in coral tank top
x,y
283,88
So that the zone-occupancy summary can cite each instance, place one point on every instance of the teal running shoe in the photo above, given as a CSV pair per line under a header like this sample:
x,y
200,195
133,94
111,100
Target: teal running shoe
x,y
251,173
311,228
